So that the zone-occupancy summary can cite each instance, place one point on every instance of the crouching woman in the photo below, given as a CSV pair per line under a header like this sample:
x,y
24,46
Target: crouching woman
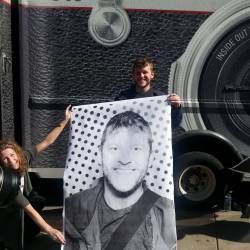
x,y
14,157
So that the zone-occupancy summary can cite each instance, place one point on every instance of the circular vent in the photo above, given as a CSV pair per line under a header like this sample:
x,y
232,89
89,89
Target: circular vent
x,y
109,26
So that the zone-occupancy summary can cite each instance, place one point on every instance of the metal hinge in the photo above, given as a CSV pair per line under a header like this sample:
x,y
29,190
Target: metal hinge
x,y
6,62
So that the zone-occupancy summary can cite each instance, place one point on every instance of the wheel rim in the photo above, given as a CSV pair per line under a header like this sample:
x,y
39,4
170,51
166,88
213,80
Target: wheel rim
x,y
197,183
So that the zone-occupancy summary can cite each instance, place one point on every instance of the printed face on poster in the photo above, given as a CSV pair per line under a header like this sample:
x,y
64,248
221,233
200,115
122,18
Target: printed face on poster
x,y
118,177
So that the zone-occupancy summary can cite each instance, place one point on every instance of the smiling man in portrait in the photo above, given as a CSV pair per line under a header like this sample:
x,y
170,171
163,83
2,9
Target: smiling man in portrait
x,y
120,212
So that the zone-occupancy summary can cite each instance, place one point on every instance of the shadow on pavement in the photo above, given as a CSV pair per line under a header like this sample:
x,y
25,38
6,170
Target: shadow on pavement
x,y
43,242
182,214
237,231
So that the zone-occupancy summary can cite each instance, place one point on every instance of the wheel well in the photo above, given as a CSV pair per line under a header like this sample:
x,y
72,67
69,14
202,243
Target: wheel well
x,y
208,142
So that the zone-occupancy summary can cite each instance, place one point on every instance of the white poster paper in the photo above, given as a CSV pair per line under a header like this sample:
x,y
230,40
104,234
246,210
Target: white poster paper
x,y
118,180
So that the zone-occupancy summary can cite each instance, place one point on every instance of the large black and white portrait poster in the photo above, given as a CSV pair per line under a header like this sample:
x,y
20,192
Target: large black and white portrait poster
x,y
118,180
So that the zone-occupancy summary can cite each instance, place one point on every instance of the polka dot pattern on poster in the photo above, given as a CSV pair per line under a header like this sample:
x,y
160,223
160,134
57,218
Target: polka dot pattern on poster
x,y
83,163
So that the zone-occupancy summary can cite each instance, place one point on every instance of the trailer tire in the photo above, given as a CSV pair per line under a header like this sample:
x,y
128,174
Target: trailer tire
x,y
198,180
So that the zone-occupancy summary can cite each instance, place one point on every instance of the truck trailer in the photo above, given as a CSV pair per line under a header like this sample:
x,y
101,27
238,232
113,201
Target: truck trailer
x,y
59,52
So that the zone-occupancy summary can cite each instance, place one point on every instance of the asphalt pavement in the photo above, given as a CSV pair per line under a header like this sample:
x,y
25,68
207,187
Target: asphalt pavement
x,y
196,230
216,230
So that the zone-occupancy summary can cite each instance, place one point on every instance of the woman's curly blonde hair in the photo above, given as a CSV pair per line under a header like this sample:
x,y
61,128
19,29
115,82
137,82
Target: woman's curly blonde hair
x,y
5,144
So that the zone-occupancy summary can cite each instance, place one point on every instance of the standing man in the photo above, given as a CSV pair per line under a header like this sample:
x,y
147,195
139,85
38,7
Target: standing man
x,y
143,73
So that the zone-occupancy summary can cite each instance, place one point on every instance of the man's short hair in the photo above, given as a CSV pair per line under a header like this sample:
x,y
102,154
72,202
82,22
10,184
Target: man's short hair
x,y
143,62
127,119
